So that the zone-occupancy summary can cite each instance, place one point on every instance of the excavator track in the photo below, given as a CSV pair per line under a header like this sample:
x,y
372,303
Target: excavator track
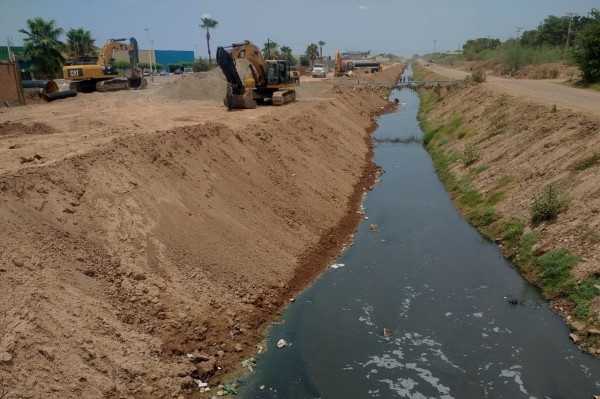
x,y
112,85
281,97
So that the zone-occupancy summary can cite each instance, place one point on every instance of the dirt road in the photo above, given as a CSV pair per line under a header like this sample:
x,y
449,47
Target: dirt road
x,y
548,92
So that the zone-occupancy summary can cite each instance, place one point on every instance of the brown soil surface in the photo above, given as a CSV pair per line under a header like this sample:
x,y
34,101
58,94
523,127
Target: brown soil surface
x,y
546,92
524,144
141,226
551,70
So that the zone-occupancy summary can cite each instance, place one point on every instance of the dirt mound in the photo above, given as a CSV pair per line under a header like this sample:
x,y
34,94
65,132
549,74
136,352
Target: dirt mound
x,y
133,247
201,86
12,129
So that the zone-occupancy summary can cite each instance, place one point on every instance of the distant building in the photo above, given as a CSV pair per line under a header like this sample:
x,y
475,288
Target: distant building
x,y
18,52
355,55
163,57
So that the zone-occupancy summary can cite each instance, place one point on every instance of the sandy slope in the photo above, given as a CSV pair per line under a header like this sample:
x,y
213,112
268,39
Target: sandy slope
x,y
140,226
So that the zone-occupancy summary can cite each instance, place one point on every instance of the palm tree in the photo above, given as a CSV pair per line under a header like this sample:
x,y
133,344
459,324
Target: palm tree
x,y
286,54
208,23
43,47
312,52
80,43
321,44
270,50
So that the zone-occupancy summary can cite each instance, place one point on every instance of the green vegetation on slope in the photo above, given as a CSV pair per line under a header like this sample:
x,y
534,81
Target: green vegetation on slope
x,y
551,271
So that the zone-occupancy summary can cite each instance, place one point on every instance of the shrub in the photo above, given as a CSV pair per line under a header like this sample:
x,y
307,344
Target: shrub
x,y
583,296
547,204
555,272
469,196
481,168
201,65
513,229
554,108
470,155
495,197
483,216
587,163
479,75
526,244
428,136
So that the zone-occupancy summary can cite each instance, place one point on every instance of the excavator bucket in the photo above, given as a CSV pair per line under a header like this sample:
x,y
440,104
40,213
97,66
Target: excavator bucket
x,y
138,82
242,101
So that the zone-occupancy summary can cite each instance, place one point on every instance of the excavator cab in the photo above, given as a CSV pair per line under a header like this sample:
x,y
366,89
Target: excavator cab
x,y
272,73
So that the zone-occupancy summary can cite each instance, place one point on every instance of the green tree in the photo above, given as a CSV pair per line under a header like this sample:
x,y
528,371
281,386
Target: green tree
x,y
473,47
286,54
201,65
208,23
304,61
530,38
312,52
587,55
80,43
122,66
42,46
553,31
321,44
271,50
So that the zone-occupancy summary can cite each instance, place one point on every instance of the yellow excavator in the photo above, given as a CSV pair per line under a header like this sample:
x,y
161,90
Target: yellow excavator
x,y
101,75
342,68
269,81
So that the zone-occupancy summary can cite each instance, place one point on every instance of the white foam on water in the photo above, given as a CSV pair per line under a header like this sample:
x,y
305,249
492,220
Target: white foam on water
x,y
367,309
515,374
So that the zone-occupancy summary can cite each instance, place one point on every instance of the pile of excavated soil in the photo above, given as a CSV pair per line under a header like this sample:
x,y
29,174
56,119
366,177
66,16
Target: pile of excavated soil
x,y
149,230
9,128
200,86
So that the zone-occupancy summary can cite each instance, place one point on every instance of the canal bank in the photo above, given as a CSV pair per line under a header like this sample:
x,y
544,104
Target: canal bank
x,y
422,306
527,175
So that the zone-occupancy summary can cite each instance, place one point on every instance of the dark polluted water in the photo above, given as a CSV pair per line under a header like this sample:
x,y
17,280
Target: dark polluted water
x,y
437,287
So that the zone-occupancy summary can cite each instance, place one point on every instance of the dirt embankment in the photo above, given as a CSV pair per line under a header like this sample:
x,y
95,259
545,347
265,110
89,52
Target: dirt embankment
x,y
138,227
508,149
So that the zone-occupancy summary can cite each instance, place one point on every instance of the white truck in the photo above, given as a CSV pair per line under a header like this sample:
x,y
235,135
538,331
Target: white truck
x,y
319,71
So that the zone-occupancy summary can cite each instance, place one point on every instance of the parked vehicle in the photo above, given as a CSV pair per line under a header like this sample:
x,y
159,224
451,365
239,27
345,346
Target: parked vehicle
x,y
319,71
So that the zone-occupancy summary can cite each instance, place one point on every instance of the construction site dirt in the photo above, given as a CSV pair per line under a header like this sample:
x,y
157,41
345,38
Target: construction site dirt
x,y
149,237
142,226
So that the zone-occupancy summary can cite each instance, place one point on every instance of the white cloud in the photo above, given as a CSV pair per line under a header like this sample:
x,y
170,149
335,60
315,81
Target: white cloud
x,y
362,8
205,15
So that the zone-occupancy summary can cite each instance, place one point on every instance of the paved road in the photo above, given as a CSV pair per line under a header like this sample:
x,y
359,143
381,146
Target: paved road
x,y
548,92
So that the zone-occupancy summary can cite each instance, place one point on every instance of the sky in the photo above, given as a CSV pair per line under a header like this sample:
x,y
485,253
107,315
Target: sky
x,y
401,27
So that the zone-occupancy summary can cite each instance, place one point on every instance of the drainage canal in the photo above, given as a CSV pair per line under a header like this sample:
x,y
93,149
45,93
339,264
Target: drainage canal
x,y
422,307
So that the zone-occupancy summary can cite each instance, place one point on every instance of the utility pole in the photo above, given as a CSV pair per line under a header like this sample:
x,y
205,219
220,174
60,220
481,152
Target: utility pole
x,y
434,41
519,29
149,46
570,14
